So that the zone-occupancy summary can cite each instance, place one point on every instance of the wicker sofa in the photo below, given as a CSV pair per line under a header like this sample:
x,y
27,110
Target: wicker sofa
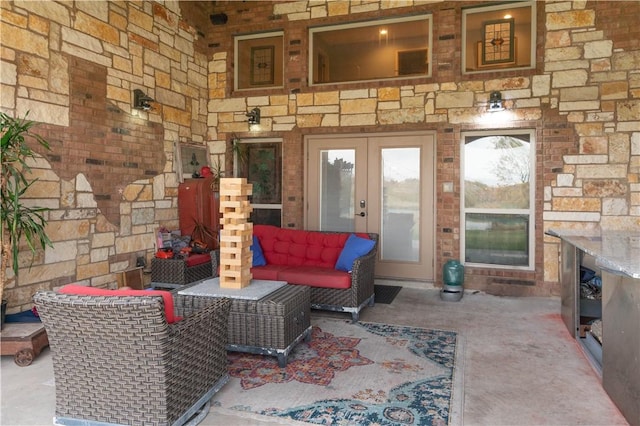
x,y
309,258
118,360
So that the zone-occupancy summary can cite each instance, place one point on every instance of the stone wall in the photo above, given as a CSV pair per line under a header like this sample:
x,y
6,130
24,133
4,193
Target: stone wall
x,y
582,99
109,178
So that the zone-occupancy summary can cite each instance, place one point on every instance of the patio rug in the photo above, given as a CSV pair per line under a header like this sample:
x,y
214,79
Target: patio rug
x,y
385,293
348,374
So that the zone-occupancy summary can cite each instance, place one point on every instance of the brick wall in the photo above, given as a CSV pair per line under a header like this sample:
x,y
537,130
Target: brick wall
x,y
102,142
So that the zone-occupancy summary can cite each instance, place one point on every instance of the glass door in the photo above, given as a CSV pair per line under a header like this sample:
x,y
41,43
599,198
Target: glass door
x,y
337,179
381,184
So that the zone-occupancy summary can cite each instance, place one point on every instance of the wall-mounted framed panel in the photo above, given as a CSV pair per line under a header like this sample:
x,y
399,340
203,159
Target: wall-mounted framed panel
x,y
189,159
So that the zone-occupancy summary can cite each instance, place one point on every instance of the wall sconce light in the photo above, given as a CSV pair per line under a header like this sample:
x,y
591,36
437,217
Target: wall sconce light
x,y
495,102
254,116
141,101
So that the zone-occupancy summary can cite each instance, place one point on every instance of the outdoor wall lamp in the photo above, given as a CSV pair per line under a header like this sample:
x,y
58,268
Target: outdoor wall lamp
x,y
254,116
141,101
495,102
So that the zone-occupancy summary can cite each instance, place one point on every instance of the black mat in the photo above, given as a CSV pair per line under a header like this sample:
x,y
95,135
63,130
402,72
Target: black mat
x,y
386,293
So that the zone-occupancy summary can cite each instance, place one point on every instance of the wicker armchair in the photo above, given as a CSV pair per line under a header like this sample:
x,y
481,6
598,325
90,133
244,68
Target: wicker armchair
x,y
117,360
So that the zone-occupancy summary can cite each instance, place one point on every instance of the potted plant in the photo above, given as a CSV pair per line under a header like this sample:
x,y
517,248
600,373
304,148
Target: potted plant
x,y
20,222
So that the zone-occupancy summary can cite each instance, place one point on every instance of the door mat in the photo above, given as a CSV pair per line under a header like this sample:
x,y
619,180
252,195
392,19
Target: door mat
x,y
386,293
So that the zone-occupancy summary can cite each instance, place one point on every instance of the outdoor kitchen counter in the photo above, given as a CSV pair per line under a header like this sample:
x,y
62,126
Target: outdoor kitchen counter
x,y
616,251
617,256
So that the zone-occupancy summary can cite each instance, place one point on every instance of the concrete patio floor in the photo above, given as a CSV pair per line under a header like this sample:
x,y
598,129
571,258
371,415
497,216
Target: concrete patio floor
x,y
518,365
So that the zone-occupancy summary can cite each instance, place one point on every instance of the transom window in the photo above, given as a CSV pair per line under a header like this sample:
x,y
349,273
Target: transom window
x,y
499,37
498,199
373,50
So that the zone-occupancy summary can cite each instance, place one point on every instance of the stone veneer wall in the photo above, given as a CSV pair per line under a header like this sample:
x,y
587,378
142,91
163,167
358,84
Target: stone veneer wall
x,y
582,99
109,177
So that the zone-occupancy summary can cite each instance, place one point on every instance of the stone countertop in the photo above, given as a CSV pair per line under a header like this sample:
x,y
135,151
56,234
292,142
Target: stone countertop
x,y
617,251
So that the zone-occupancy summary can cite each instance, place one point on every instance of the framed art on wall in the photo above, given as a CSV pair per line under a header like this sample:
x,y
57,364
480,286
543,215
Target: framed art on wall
x,y
189,159
412,62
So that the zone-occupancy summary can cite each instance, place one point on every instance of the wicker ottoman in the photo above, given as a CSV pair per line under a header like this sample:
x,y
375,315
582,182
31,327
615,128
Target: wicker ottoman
x,y
272,325
177,272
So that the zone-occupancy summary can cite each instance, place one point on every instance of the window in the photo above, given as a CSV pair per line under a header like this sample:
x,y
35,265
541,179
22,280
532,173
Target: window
x,y
259,61
498,199
373,50
260,161
499,37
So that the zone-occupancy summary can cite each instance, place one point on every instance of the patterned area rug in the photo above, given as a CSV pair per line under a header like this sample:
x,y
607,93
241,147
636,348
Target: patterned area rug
x,y
350,374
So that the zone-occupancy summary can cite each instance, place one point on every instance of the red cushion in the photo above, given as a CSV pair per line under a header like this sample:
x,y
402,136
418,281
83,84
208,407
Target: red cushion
x,y
267,272
198,259
294,247
82,290
314,276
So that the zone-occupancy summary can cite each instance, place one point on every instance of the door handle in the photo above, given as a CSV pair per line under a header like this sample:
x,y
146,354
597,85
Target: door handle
x,y
362,214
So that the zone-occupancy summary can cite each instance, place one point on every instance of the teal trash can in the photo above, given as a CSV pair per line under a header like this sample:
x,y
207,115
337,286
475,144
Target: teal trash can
x,y
453,278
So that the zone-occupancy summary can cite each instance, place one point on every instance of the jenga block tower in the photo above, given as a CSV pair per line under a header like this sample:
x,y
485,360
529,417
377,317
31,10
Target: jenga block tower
x,y
236,234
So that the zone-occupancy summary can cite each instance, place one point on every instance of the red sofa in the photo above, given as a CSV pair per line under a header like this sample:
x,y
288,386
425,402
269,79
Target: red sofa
x,y
309,258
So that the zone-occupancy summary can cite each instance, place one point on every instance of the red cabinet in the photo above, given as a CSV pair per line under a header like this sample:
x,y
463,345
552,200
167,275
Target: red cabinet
x,y
199,208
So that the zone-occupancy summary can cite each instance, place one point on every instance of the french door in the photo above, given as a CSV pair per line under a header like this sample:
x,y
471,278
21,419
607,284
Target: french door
x,y
381,183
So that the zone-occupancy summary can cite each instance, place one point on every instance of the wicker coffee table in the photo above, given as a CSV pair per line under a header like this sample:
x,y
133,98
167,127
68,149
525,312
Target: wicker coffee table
x,y
271,321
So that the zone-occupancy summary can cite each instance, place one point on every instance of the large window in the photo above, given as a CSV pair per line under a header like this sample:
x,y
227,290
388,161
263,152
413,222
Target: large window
x,y
374,50
260,161
259,61
499,37
498,199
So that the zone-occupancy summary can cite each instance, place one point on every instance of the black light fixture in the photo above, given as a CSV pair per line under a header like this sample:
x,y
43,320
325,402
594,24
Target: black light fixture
x,y
495,102
254,116
141,101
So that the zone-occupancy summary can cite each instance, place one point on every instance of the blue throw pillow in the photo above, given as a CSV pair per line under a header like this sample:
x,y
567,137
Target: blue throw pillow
x,y
258,256
353,248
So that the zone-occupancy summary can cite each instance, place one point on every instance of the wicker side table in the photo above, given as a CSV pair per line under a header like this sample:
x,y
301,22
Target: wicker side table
x,y
176,272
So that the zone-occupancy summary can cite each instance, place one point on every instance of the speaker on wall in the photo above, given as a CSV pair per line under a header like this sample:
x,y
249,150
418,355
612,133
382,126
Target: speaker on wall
x,y
219,18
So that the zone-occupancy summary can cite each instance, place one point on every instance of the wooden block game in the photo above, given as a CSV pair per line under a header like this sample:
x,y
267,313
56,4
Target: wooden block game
x,y
236,234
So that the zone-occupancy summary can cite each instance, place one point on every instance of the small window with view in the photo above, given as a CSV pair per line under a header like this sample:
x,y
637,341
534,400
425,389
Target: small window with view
x,y
498,199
